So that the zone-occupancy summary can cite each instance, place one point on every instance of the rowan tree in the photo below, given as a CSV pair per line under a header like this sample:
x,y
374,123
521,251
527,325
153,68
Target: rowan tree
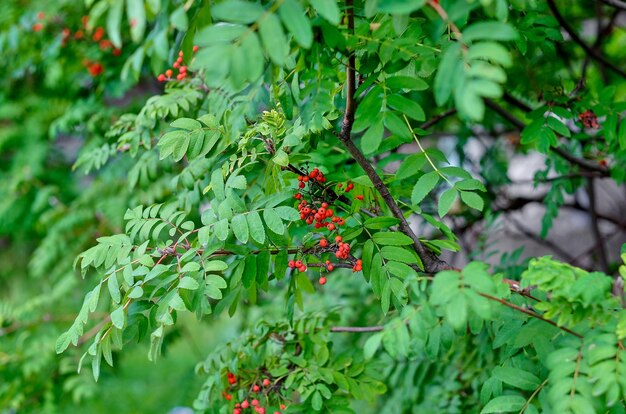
x,y
301,176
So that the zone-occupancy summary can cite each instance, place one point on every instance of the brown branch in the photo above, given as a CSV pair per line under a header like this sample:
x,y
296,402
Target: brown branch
x,y
435,119
357,329
599,247
581,162
431,262
530,313
93,331
378,328
590,51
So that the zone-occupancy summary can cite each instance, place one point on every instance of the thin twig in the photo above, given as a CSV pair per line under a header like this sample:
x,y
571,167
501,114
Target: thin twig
x,y
572,33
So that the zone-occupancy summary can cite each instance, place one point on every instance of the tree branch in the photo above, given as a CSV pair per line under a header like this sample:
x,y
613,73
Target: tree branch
x,y
599,247
572,33
432,263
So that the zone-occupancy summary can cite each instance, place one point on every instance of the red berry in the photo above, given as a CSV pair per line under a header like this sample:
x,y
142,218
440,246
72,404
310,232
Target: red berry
x,y
195,49
291,264
245,404
324,205
298,196
359,197
338,239
37,27
324,243
266,382
180,76
255,388
161,78
180,54
41,15
255,402
283,406
301,184
183,69
298,263
168,73
305,179
236,410
176,65
322,280
330,267
330,226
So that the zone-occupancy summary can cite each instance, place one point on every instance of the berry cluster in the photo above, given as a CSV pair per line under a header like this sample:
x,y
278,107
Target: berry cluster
x,y
589,119
317,212
297,264
257,392
95,68
178,64
322,216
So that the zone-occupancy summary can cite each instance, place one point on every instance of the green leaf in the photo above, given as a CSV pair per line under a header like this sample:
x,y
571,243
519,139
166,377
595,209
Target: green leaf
x,y
456,311
406,82
217,184
373,136
377,223
221,229
411,166
558,126
371,345
274,40
257,231
136,292
295,20
288,213
517,378
179,19
504,404
446,200
400,6
408,107
489,30
473,200
423,186
237,11
239,224
114,20
186,123
327,9
621,136
446,73
215,266
392,238
188,283
62,342
273,221
399,254
137,18
118,317
492,51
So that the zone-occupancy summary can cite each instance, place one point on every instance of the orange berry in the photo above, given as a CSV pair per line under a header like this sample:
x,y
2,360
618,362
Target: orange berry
x,y
169,73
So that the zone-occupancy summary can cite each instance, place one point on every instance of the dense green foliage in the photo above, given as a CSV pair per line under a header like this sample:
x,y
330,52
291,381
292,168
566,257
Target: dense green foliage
x,y
255,188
